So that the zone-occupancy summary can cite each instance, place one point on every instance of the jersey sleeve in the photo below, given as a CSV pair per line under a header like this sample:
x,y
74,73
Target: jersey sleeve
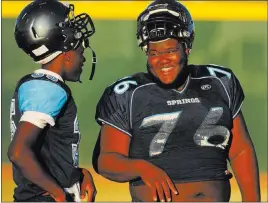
x,y
40,101
232,86
236,95
113,109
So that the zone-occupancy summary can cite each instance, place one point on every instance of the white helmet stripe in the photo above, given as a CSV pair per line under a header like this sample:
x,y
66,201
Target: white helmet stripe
x,y
161,10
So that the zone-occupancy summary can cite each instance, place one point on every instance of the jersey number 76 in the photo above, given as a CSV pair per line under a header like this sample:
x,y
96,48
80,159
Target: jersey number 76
x,y
207,135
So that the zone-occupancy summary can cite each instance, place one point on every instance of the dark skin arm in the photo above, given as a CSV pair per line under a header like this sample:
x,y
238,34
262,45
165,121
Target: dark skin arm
x,y
87,186
21,154
243,160
123,170
114,164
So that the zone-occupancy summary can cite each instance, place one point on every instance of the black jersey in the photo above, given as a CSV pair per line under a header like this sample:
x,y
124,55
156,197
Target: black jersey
x,y
57,147
186,133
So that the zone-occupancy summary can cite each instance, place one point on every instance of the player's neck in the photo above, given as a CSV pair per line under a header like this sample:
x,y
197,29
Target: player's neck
x,y
53,68
184,84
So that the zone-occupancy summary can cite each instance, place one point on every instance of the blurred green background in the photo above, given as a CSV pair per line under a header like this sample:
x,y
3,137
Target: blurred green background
x,y
241,46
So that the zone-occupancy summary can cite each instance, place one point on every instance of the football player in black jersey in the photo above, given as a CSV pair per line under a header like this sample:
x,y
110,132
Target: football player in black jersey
x,y
171,131
43,119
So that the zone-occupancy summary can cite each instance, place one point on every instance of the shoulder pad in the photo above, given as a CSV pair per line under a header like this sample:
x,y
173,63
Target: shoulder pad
x,y
41,76
210,70
129,83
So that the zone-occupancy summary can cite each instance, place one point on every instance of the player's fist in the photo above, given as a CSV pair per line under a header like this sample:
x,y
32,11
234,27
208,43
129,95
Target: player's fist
x,y
157,180
87,186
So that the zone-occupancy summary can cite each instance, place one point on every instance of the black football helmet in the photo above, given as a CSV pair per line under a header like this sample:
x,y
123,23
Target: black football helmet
x,y
165,19
46,28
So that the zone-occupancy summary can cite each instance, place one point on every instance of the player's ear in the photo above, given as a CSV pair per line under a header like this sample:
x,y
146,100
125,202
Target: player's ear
x,y
67,56
187,51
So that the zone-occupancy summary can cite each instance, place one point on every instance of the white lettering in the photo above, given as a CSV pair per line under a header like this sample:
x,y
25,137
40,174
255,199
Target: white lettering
x,y
183,101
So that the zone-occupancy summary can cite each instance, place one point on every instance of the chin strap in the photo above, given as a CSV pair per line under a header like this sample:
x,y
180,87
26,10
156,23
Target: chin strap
x,y
94,58
94,61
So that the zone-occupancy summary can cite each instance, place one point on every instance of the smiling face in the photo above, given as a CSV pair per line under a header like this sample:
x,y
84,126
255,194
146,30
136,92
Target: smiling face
x,y
164,59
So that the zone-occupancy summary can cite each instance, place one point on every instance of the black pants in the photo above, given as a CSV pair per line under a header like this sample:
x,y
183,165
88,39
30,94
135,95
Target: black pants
x,y
47,198
40,198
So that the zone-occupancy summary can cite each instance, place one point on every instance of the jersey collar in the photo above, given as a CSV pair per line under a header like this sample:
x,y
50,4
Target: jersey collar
x,y
48,72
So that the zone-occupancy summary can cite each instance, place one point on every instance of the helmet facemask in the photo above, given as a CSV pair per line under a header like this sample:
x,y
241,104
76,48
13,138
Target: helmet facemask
x,y
77,30
81,26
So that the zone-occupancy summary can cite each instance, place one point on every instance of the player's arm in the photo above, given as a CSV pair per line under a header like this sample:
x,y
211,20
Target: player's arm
x,y
113,161
112,114
243,161
39,102
21,154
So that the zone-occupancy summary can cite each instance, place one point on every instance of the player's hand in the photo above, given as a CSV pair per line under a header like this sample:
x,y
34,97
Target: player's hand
x,y
157,180
59,196
87,186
